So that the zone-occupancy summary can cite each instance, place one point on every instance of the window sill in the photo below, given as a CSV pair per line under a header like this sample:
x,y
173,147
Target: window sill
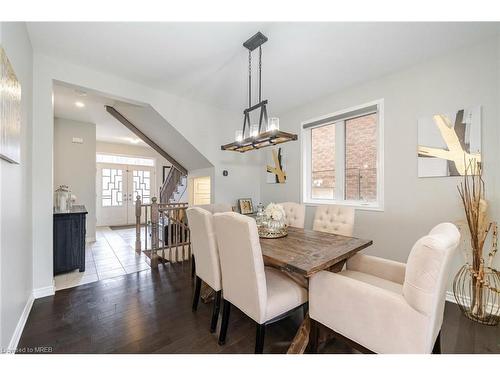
x,y
376,206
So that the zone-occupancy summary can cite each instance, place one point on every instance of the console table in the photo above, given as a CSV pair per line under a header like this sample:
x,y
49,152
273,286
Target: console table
x,y
69,240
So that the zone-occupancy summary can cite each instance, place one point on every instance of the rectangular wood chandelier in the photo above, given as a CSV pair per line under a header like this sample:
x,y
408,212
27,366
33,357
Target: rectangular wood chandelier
x,y
266,132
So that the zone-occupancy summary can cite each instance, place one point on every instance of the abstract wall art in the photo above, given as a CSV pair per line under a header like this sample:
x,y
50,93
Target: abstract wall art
x,y
10,111
275,167
448,142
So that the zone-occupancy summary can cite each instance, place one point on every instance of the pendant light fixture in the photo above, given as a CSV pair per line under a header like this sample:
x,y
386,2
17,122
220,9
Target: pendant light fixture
x,y
266,132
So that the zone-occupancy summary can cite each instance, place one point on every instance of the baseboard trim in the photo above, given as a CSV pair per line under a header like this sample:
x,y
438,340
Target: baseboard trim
x,y
44,292
89,239
16,336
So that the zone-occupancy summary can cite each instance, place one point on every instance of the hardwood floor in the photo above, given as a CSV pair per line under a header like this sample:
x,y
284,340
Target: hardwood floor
x,y
150,312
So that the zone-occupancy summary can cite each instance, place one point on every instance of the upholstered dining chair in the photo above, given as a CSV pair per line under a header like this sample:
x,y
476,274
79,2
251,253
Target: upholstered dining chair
x,y
213,208
264,294
204,246
334,219
384,306
295,214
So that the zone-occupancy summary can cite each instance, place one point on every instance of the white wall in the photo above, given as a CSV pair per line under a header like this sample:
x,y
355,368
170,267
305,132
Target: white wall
x,y
16,257
463,78
74,164
205,127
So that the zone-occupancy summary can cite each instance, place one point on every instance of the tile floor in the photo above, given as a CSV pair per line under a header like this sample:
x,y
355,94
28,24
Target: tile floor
x,y
111,255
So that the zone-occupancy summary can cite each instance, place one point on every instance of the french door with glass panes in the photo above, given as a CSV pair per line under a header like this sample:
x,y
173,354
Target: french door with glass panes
x,y
117,187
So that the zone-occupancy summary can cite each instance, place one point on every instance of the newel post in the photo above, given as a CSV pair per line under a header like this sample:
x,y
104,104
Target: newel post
x,y
138,210
155,245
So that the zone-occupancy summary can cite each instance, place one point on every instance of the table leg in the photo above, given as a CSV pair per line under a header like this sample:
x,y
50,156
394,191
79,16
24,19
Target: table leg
x,y
301,339
207,294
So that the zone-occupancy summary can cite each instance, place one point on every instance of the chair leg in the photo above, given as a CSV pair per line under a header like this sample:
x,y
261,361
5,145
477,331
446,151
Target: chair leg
x,y
196,296
437,345
259,338
193,267
314,336
215,311
226,309
305,309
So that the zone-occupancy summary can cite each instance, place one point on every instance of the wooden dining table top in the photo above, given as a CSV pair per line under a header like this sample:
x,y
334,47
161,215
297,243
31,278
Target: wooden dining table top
x,y
306,252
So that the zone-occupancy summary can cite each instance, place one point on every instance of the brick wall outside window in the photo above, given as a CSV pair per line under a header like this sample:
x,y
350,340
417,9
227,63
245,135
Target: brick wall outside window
x,y
323,162
360,160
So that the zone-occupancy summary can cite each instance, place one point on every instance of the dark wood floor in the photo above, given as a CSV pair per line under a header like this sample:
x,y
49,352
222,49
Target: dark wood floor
x,y
150,312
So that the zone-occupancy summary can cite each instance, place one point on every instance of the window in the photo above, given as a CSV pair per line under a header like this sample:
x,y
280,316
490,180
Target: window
x,y
342,157
121,159
112,187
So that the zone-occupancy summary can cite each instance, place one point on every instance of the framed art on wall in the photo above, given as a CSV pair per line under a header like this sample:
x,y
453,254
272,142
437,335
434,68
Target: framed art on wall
x,y
275,167
10,111
448,142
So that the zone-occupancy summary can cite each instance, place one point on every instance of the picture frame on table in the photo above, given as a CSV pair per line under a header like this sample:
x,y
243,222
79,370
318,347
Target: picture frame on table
x,y
245,206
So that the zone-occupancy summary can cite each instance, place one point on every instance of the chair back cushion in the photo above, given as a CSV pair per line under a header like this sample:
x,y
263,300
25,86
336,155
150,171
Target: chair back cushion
x,y
204,246
215,208
295,214
427,273
334,219
243,277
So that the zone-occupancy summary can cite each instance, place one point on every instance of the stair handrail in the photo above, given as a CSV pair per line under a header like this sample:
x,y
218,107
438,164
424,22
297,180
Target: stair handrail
x,y
170,184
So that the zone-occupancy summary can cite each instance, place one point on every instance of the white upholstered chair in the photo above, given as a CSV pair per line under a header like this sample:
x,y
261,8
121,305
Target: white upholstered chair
x,y
264,294
334,219
295,214
386,306
215,208
204,246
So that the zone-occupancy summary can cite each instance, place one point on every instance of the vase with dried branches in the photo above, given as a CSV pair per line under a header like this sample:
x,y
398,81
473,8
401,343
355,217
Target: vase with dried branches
x,y
477,284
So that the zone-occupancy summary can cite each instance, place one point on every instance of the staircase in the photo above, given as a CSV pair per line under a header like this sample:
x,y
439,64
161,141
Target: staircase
x,y
174,187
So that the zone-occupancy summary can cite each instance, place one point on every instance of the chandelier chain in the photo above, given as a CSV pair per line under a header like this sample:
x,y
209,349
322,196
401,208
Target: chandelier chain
x,y
260,74
249,78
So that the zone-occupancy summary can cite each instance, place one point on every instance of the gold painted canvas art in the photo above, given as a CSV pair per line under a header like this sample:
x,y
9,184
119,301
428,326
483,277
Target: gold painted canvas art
x,y
448,142
10,111
275,167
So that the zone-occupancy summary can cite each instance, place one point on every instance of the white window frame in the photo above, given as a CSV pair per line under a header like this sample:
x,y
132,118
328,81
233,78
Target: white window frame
x,y
123,159
306,162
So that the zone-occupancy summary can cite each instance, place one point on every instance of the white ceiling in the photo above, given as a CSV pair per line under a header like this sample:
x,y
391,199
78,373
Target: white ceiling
x,y
206,61
108,129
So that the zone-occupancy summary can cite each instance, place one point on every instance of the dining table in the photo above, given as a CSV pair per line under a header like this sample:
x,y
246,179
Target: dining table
x,y
303,253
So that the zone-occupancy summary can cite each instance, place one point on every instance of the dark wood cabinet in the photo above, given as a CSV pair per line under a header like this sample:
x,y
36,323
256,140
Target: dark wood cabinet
x,y
69,240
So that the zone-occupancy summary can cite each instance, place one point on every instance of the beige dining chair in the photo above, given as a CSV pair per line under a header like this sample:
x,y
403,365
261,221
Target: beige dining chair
x,y
204,247
295,214
334,219
215,208
384,306
264,294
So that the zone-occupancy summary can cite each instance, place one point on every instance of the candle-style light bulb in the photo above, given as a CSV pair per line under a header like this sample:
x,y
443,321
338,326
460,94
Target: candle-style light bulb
x,y
254,130
273,124
238,135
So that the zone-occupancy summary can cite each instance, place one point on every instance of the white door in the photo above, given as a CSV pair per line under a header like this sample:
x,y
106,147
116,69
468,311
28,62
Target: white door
x,y
140,182
117,187
199,189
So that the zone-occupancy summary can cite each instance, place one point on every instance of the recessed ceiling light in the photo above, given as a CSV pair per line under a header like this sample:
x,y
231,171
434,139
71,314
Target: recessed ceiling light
x,y
80,104
80,93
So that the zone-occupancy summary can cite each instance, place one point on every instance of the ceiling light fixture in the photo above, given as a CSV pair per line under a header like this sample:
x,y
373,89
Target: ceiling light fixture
x,y
253,137
134,140
80,93
80,104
